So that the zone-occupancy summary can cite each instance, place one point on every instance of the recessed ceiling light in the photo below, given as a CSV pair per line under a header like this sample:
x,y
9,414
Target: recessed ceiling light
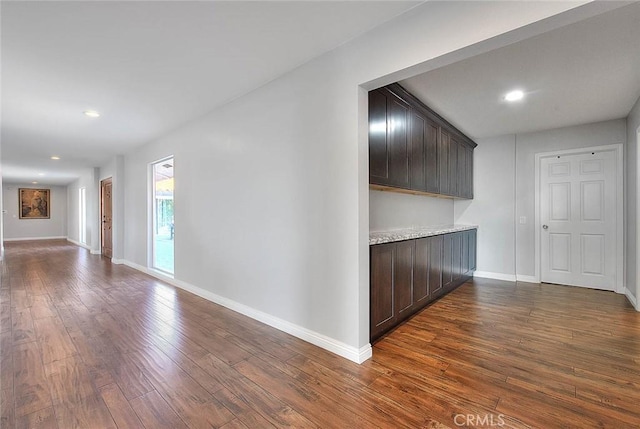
x,y
54,157
91,113
35,183
40,174
514,95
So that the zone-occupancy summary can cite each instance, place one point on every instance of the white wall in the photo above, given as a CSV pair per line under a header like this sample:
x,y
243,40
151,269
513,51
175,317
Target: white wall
x,y
271,190
16,228
87,180
493,206
505,161
632,266
392,210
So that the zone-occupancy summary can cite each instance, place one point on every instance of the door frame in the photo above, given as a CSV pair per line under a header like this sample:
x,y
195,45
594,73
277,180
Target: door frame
x,y
151,217
617,149
631,296
101,214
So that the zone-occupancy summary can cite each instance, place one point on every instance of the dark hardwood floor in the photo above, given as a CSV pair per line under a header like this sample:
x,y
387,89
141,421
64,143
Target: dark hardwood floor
x,y
87,344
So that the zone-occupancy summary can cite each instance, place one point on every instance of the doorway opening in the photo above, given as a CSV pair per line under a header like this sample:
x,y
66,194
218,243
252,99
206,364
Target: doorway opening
x,y
82,215
106,214
162,223
579,208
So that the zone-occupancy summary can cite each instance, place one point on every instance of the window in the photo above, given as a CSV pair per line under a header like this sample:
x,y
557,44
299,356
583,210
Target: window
x,y
162,222
82,215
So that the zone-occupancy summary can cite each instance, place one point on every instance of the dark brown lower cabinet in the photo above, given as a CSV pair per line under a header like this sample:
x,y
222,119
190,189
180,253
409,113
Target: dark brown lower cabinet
x,y
381,311
457,256
408,275
473,234
447,260
403,277
421,265
435,267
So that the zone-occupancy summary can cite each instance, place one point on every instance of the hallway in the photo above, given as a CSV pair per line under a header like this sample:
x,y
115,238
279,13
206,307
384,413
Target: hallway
x,y
88,344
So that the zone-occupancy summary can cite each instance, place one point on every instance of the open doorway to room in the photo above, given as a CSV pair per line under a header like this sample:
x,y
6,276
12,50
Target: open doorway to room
x,y
514,106
82,215
162,225
106,214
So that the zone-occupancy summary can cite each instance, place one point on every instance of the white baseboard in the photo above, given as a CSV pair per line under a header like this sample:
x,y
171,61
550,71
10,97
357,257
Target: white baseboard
x,y
117,261
632,299
96,252
320,340
77,243
527,279
506,277
35,238
495,276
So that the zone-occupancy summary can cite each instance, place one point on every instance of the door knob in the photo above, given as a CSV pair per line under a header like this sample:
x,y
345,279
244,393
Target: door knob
x,y
545,226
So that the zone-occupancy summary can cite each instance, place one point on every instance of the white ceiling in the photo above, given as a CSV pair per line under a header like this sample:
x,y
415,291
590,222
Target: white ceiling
x,y
150,67
147,67
585,72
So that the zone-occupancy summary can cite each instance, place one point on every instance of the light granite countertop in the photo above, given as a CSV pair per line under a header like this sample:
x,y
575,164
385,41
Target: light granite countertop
x,y
380,237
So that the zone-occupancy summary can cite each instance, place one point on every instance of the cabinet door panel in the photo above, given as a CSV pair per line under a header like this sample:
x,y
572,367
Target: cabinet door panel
x,y
462,171
388,139
453,167
378,147
417,158
403,277
381,311
398,137
465,253
435,264
457,255
432,182
447,260
443,161
472,250
421,272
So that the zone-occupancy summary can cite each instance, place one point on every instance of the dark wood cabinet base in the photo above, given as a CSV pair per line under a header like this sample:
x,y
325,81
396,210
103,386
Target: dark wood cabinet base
x,y
406,276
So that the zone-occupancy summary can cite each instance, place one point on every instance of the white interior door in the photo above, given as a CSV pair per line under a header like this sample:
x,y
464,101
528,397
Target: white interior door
x,y
578,216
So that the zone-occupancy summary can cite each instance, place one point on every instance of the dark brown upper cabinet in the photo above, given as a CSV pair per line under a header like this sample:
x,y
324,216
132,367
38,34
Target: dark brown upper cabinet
x,y
388,139
453,167
413,149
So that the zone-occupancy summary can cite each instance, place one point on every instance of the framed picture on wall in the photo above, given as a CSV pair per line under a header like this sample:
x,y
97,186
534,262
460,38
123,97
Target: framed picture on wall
x,y
34,203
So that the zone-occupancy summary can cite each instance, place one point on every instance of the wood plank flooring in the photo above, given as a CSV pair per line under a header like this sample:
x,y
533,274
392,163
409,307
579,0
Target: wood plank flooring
x,y
88,344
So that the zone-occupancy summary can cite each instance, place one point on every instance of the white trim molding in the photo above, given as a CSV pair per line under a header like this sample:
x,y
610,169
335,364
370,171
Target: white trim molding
x,y
77,243
506,277
527,279
632,299
341,349
495,276
35,238
637,237
618,151
96,252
